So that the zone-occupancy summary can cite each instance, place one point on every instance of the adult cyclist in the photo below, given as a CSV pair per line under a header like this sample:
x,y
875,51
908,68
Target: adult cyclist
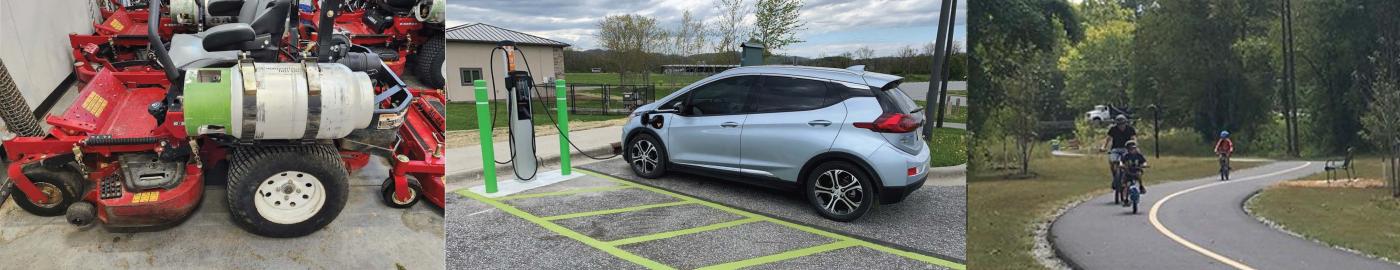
x,y
1118,137
1224,148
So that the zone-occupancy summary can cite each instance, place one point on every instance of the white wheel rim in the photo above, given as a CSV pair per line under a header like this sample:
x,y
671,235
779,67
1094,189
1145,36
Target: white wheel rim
x,y
51,191
839,192
412,195
289,197
644,156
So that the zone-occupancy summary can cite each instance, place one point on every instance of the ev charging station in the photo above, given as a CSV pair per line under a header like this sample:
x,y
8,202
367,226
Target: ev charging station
x,y
519,116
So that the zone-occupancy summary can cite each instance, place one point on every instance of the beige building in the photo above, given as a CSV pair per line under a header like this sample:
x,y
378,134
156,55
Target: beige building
x,y
469,53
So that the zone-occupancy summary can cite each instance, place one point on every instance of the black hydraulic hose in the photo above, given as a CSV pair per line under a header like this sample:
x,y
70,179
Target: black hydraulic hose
x,y
540,99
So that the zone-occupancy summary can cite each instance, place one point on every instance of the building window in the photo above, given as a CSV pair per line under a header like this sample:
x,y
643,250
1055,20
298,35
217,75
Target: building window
x,y
469,75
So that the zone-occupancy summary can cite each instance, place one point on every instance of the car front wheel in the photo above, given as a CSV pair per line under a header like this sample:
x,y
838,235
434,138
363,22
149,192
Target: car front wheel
x,y
840,191
647,156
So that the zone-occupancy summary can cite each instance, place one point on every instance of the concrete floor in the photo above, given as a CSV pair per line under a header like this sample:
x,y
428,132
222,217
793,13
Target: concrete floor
x,y
366,235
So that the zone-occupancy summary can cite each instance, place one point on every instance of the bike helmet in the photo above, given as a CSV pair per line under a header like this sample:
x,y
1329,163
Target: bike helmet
x,y
1132,144
1224,134
1120,119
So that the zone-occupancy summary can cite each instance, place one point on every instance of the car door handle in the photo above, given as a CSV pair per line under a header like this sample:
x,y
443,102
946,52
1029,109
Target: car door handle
x,y
821,123
729,124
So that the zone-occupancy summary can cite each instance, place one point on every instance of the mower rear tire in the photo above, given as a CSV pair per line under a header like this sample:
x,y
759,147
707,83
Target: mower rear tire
x,y
428,63
60,185
286,191
386,192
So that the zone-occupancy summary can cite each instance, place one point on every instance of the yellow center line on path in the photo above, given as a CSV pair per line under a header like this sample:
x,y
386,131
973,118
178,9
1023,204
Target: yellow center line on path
x,y
1157,223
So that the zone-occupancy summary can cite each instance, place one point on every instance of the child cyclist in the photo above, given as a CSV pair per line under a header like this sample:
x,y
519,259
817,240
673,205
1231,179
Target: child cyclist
x,y
1224,148
1133,164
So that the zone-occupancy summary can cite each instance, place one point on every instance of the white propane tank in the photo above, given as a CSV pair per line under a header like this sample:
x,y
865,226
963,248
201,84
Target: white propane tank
x,y
298,101
185,12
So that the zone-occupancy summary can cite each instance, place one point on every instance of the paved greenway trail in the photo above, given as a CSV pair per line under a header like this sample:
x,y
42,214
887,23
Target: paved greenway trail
x,y
1196,224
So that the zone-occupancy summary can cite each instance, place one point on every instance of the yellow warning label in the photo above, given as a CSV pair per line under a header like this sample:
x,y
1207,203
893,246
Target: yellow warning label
x,y
145,197
117,25
95,104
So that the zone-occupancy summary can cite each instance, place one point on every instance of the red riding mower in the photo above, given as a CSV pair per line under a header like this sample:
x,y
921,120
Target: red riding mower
x,y
402,32
131,150
120,44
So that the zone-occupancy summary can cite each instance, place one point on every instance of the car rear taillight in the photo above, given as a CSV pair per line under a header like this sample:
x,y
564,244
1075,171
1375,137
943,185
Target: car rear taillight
x,y
892,123
913,171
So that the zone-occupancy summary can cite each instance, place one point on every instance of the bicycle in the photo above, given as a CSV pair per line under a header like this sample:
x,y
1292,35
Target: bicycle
x,y
1132,186
1224,167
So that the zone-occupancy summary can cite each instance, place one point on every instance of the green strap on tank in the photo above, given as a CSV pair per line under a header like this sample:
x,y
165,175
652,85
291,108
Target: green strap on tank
x,y
206,100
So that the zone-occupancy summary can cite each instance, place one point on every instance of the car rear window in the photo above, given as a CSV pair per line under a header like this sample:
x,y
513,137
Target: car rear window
x,y
894,99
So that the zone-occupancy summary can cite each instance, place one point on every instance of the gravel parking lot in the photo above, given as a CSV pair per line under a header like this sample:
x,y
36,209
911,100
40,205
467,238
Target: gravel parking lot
x,y
690,222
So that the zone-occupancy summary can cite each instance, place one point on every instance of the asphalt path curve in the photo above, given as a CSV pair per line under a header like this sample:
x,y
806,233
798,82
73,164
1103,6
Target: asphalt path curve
x,y
1195,224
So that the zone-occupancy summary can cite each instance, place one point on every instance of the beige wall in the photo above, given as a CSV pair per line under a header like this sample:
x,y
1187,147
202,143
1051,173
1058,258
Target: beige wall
x,y
34,42
543,66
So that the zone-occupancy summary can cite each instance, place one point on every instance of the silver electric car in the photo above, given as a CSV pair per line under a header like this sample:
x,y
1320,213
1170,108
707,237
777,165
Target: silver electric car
x,y
848,139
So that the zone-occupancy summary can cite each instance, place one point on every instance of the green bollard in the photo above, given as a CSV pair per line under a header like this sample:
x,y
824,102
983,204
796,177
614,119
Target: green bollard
x,y
483,123
562,101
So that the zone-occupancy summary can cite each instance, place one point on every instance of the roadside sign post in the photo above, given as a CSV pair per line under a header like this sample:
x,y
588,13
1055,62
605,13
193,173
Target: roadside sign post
x,y
561,101
483,124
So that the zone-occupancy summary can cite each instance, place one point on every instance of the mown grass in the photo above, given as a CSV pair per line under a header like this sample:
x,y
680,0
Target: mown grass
x,y
1002,211
947,147
1363,219
462,116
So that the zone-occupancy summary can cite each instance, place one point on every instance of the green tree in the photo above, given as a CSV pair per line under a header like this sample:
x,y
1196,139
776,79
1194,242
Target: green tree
x,y
632,41
1193,58
777,23
1335,39
1097,69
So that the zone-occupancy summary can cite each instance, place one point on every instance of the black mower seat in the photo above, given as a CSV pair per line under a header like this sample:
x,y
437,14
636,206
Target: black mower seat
x,y
221,44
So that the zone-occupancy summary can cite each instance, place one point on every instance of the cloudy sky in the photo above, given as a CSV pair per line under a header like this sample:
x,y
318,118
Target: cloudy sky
x,y
833,26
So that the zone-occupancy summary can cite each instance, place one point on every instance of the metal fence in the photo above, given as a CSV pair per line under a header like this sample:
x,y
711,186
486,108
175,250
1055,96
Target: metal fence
x,y
603,99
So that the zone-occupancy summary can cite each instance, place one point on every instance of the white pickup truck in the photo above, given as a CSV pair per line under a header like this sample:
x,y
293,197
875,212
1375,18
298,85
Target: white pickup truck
x,y
1100,114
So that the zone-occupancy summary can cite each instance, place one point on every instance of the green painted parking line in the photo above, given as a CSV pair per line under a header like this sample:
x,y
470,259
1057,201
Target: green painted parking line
x,y
787,255
566,192
804,228
664,235
614,211
595,243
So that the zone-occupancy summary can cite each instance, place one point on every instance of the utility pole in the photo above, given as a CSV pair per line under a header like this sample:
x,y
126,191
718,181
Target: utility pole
x,y
1290,103
947,53
945,24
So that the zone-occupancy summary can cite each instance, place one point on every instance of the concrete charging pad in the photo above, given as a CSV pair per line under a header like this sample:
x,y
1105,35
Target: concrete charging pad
x,y
513,186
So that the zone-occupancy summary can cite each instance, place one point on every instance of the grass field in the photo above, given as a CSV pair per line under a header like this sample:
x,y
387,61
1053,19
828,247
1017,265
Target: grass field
x,y
947,147
1002,211
1364,219
959,115
463,116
